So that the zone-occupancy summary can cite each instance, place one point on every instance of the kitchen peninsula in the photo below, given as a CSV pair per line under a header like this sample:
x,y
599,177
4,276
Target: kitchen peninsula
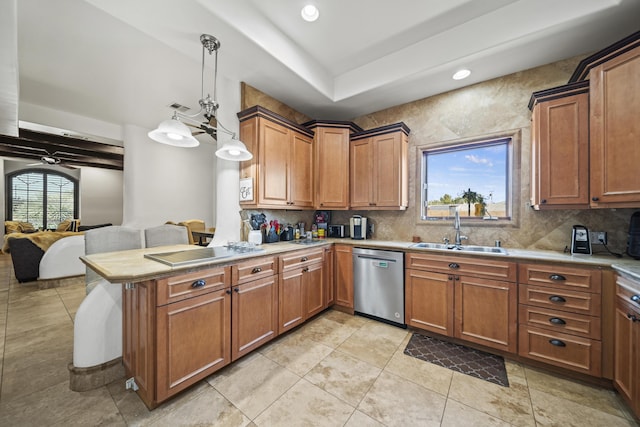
x,y
216,311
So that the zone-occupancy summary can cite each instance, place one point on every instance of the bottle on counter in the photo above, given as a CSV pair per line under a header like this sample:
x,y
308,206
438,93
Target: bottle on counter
x,y
314,231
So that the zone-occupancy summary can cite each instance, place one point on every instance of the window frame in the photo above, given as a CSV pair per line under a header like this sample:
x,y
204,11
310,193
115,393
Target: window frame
x,y
46,173
512,186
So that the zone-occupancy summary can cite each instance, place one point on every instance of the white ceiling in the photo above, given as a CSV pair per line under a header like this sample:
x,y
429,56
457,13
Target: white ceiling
x,y
125,61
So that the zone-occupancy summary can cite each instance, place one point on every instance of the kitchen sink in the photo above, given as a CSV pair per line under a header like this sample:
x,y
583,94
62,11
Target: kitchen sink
x,y
462,248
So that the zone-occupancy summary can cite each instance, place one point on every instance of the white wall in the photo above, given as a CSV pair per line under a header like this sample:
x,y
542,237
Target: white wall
x,y
101,196
165,183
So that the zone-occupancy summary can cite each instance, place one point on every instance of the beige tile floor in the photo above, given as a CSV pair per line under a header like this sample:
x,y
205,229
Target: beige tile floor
x,y
337,370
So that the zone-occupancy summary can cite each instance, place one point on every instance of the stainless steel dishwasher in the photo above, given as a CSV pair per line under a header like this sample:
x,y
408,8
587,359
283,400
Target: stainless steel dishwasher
x,y
378,285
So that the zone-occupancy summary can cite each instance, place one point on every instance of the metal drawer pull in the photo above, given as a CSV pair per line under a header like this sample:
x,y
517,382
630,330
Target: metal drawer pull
x,y
198,283
454,265
635,298
557,321
557,298
306,269
256,270
557,277
228,292
236,290
557,343
303,259
633,317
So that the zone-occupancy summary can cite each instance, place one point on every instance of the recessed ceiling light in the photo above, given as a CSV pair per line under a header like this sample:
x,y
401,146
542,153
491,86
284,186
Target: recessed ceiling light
x,y
310,13
461,74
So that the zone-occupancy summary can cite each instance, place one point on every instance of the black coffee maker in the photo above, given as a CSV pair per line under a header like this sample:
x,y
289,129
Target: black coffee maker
x,y
633,241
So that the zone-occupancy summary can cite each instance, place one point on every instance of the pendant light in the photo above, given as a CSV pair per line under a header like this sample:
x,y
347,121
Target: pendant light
x,y
175,132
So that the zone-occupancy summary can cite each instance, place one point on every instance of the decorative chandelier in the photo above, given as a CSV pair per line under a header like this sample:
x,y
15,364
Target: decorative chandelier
x,y
175,132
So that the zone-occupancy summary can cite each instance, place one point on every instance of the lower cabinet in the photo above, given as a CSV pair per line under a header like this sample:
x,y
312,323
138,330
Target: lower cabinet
x,y
627,342
175,339
329,280
560,316
301,287
460,297
343,275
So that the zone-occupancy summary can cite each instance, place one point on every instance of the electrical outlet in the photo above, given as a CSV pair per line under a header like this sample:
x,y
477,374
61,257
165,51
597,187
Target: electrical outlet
x,y
598,237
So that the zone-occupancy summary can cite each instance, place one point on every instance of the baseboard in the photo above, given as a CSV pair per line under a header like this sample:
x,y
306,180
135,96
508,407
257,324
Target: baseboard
x,y
85,379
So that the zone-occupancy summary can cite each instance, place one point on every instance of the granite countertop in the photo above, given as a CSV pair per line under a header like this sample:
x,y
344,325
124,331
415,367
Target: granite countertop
x,y
128,266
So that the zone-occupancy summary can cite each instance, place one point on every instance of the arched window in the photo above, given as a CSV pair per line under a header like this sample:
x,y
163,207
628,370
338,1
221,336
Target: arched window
x,y
42,197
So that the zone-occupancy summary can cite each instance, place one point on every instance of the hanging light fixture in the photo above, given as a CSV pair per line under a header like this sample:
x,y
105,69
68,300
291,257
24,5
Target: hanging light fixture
x,y
175,132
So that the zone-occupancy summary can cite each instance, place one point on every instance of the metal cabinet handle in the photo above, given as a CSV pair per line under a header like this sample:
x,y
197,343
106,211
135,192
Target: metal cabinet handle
x,y
450,277
543,201
557,321
228,292
557,277
305,270
635,298
454,265
633,317
303,259
256,270
557,298
595,199
236,290
557,343
198,283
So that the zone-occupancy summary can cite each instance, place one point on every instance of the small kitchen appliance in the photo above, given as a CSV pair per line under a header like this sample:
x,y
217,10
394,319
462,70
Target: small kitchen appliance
x,y
580,243
633,241
338,230
358,227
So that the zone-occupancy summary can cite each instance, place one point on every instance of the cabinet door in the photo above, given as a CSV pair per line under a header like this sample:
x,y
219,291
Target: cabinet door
x,y
291,311
273,161
614,126
329,279
193,341
361,173
301,171
249,135
486,312
343,272
254,309
429,301
314,286
561,159
332,160
387,170
627,354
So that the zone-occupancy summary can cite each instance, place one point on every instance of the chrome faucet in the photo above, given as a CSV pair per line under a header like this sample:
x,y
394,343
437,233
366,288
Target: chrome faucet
x,y
456,226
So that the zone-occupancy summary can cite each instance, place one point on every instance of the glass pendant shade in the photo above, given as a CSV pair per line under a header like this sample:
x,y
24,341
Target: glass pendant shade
x,y
173,132
234,150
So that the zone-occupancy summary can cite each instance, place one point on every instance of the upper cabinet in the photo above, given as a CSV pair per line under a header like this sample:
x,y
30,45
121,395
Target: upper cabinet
x,y
331,163
560,147
585,135
281,170
615,131
380,169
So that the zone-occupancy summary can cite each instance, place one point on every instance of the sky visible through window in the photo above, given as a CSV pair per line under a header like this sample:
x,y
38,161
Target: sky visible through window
x,y
481,168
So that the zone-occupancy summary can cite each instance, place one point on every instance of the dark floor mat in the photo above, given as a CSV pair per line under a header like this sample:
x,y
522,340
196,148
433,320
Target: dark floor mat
x,y
459,358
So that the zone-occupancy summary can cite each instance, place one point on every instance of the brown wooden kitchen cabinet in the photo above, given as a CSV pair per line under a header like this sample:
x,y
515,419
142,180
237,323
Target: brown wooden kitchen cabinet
x,y
467,298
329,279
343,276
254,305
300,287
560,316
166,319
282,167
331,157
614,127
560,147
380,169
627,342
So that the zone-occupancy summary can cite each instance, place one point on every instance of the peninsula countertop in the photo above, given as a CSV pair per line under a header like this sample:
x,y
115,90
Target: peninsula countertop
x,y
132,266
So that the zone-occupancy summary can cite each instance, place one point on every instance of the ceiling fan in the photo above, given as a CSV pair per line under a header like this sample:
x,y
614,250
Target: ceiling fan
x,y
51,160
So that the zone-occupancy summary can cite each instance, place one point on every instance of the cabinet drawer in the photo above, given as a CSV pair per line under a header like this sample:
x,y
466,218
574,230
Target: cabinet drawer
x,y
253,269
577,279
299,259
627,290
564,300
183,286
561,321
567,351
478,267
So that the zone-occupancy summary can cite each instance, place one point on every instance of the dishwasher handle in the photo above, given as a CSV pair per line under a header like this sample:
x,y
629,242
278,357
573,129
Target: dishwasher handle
x,y
375,258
